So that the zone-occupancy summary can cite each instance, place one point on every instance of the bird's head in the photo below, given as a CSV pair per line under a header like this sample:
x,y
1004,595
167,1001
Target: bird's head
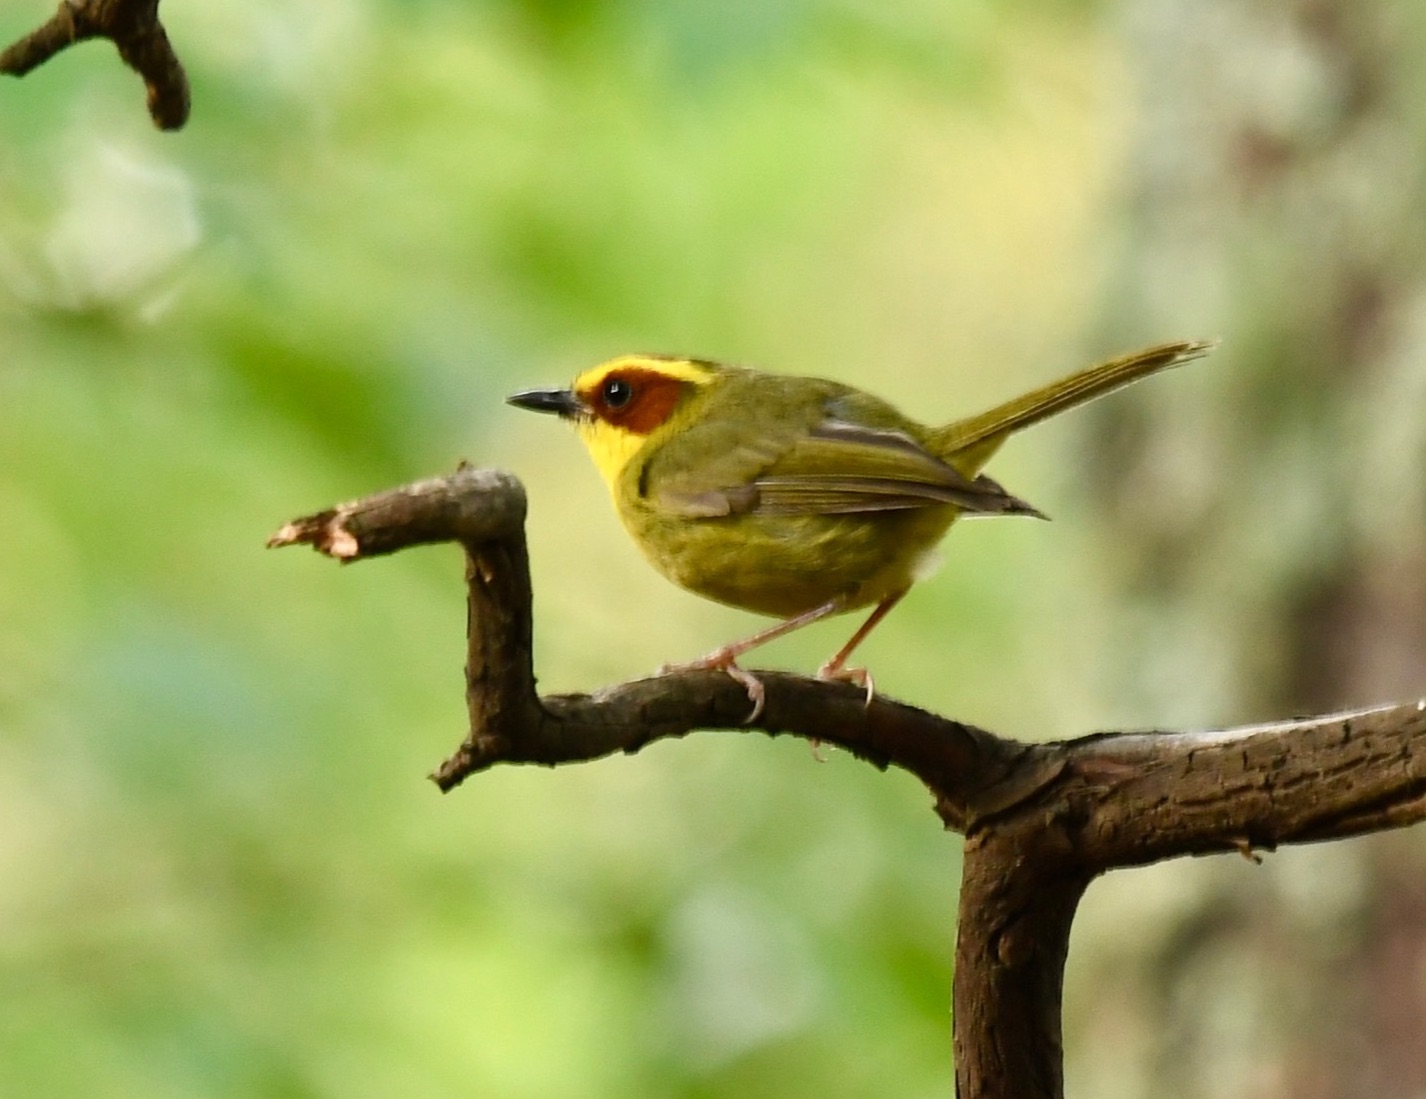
x,y
622,405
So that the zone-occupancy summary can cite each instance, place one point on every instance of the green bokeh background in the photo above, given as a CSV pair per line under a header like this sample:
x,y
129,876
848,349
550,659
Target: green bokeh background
x,y
221,870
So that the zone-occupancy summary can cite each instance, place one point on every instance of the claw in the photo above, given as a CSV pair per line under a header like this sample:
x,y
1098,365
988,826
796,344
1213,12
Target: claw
x,y
721,660
757,693
835,673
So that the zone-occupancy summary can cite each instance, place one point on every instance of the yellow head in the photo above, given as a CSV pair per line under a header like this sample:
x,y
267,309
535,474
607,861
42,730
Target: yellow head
x,y
618,405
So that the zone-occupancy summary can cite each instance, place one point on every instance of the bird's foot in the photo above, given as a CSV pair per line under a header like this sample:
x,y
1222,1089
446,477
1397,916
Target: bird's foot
x,y
725,660
834,672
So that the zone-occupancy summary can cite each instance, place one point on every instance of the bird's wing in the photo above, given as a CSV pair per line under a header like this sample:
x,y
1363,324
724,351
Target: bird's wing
x,y
840,467
830,467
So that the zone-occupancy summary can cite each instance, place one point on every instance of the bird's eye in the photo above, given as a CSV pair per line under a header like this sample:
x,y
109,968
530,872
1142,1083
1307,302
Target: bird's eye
x,y
616,392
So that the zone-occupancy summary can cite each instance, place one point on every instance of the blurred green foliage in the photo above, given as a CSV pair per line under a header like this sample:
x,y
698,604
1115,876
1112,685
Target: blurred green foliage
x,y
221,873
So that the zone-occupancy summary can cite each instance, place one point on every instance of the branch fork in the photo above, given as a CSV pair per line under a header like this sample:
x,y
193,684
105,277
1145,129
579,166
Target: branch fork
x,y
138,34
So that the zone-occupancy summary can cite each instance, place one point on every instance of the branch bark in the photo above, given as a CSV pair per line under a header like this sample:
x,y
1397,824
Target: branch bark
x,y
134,28
1041,821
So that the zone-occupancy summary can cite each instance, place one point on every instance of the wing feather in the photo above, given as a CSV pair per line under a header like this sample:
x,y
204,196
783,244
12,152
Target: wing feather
x,y
832,468
840,467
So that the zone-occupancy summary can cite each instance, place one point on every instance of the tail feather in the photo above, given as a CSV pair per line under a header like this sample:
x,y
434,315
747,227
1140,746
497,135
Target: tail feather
x,y
968,444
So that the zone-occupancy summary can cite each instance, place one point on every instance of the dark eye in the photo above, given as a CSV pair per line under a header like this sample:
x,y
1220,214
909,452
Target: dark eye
x,y
616,392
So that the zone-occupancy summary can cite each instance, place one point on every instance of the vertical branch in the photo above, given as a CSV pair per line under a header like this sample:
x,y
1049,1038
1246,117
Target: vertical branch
x,y
1016,908
499,670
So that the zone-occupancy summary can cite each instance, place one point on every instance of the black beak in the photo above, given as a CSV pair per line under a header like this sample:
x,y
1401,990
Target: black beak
x,y
562,402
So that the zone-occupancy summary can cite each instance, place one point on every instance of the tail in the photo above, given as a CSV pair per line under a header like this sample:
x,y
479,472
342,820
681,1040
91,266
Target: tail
x,y
968,444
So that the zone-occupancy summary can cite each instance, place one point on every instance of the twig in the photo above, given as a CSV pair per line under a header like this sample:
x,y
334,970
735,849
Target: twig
x,y
135,29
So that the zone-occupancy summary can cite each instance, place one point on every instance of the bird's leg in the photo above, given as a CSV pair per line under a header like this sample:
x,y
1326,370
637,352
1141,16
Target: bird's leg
x,y
726,658
836,667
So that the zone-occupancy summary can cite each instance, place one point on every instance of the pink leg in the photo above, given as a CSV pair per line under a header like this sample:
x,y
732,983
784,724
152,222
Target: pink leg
x,y
726,658
835,668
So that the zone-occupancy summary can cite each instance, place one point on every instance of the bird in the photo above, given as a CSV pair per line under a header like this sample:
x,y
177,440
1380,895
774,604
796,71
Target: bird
x,y
798,497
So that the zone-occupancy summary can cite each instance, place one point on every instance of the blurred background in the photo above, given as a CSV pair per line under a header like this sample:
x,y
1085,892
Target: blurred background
x,y
222,872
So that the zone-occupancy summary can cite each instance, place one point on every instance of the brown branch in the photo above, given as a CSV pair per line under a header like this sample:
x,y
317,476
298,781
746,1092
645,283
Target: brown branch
x,y
134,28
1041,821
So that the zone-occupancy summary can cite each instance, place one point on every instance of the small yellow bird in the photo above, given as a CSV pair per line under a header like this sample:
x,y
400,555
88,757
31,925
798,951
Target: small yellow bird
x,y
797,497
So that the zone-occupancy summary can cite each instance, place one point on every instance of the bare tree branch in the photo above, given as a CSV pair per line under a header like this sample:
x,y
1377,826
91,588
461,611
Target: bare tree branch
x,y
1041,821
134,28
